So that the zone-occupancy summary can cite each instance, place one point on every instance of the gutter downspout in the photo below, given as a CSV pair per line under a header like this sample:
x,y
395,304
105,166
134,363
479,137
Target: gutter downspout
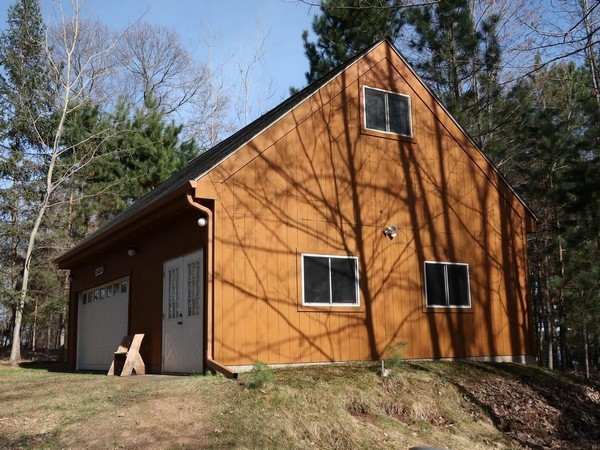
x,y
210,362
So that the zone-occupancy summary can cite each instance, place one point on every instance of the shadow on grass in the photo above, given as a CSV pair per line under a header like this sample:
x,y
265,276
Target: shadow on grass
x,y
43,359
41,440
48,366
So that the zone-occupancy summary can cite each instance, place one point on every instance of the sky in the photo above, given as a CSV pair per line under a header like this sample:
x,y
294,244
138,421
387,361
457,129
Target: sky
x,y
231,26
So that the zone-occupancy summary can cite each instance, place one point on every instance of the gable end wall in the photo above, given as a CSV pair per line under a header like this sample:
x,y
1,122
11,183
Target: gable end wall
x,y
317,182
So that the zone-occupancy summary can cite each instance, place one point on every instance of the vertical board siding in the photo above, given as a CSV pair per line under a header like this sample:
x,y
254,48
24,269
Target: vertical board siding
x,y
179,235
324,186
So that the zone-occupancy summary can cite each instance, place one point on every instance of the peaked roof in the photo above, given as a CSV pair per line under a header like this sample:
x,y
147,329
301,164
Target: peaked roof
x,y
215,155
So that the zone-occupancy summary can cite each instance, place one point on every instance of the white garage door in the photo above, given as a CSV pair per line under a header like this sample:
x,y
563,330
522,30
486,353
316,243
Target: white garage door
x,y
102,324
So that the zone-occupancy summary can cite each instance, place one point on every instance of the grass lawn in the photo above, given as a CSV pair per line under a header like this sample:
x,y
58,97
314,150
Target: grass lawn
x,y
328,407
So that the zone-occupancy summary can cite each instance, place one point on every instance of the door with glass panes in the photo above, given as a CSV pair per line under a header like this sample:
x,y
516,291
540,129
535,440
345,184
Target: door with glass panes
x,y
183,306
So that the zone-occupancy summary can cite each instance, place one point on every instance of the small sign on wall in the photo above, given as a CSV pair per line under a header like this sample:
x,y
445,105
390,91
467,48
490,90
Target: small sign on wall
x,y
99,271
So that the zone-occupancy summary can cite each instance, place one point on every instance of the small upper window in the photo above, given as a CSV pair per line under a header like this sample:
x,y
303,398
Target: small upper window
x,y
447,285
104,292
329,280
387,111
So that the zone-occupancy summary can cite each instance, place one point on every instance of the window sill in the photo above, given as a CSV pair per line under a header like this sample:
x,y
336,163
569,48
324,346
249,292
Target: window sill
x,y
386,135
332,309
447,310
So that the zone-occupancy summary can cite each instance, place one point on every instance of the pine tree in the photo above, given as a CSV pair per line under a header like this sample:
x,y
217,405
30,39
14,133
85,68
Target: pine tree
x,y
554,157
26,95
143,149
459,61
344,28
447,35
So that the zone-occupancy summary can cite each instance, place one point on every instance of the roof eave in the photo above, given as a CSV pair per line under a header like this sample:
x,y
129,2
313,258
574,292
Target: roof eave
x,y
100,240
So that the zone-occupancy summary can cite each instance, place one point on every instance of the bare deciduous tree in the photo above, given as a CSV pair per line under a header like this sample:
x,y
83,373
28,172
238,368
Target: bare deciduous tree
x,y
207,120
72,78
154,63
252,73
91,65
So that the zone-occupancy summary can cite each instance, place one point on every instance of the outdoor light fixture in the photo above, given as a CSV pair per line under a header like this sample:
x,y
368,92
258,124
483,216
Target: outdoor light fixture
x,y
202,221
71,278
132,251
391,232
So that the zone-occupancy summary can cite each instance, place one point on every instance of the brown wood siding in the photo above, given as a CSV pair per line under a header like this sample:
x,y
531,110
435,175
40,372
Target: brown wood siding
x,y
317,182
172,236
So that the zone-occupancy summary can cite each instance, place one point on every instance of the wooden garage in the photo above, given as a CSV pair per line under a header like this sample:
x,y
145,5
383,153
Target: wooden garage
x,y
354,215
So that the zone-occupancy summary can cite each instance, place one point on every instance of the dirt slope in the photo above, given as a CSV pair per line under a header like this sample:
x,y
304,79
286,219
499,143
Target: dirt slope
x,y
457,405
539,409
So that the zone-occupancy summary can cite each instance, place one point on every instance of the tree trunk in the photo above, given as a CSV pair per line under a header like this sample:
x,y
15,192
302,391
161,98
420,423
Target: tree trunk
x,y
547,319
549,336
454,83
15,351
62,353
34,326
589,50
586,354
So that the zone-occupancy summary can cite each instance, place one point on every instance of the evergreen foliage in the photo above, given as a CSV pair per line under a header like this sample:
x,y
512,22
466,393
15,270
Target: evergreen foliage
x,y
460,61
142,151
26,116
344,28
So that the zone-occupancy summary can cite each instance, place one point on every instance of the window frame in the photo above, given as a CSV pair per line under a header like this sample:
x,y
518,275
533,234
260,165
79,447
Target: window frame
x,y
446,288
331,304
87,296
387,114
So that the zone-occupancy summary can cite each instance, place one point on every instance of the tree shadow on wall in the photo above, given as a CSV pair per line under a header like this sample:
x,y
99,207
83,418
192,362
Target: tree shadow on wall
x,y
325,186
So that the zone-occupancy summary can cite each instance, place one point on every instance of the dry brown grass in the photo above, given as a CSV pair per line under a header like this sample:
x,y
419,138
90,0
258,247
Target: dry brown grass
x,y
44,409
329,407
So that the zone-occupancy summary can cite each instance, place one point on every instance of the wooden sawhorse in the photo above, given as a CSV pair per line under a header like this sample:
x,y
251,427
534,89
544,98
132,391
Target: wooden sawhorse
x,y
127,358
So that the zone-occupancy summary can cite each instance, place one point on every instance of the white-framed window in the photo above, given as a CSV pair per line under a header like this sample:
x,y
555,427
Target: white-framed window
x,y
329,280
105,291
447,285
387,111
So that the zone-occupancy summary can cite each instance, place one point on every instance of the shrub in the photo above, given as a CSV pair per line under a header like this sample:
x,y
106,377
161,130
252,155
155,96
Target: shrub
x,y
260,375
395,355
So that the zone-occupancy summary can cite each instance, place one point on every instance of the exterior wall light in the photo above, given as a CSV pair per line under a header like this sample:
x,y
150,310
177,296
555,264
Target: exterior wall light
x,y
132,251
202,221
391,232
71,278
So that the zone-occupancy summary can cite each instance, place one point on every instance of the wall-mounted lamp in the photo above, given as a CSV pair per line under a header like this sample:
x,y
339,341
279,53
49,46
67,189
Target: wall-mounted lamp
x,y
202,221
132,251
71,278
391,232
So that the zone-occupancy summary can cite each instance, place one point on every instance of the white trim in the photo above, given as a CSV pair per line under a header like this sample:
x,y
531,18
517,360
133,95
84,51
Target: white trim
x,y
387,115
331,303
446,287
517,359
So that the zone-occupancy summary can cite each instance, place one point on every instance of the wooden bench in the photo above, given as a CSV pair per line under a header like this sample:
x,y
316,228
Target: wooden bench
x,y
127,358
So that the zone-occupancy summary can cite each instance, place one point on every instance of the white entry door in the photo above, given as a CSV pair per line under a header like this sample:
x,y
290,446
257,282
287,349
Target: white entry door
x,y
183,306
